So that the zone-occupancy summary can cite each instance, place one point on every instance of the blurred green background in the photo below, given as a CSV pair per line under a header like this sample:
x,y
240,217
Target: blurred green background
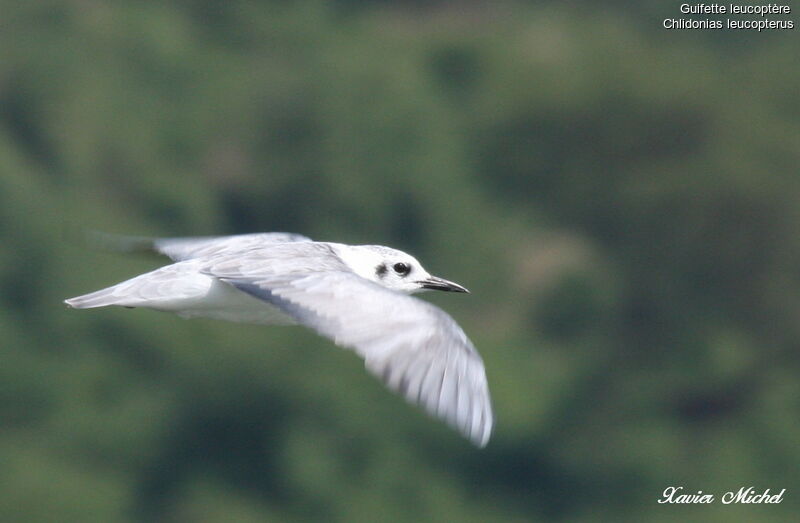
x,y
622,200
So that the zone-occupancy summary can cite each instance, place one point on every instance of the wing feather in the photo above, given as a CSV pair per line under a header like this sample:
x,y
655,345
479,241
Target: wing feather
x,y
180,249
415,348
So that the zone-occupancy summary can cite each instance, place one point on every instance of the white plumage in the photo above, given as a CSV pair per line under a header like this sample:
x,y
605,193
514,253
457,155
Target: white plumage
x,y
358,296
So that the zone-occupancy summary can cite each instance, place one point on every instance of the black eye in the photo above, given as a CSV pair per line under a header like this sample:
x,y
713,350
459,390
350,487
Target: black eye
x,y
401,268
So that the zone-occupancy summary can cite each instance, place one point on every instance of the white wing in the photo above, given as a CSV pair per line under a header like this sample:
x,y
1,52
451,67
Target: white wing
x,y
186,248
413,346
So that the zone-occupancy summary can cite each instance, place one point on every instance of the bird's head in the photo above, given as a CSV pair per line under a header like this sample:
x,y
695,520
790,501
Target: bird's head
x,y
394,270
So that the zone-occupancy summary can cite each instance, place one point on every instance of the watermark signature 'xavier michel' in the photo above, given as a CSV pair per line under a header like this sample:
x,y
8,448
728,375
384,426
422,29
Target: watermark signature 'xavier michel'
x,y
743,495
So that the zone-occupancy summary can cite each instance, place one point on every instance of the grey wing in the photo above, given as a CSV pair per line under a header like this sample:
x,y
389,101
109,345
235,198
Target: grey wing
x,y
414,347
162,288
276,260
179,249
202,247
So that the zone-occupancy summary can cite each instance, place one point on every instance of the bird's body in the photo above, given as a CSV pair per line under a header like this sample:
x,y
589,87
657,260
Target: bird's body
x,y
356,295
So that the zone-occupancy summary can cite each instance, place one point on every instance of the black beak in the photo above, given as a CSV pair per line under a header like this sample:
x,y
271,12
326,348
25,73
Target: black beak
x,y
440,284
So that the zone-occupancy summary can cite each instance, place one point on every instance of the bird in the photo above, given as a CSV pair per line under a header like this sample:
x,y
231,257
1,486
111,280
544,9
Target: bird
x,y
359,296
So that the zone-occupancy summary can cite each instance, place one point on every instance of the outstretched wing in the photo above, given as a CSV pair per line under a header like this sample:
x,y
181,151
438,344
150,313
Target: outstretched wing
x,y
186,248
414,347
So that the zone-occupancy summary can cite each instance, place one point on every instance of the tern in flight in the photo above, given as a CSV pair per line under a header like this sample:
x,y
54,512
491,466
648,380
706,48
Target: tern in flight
x,y
356,295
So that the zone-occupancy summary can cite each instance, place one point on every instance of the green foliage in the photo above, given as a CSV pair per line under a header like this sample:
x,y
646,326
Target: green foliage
x,y
622,201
